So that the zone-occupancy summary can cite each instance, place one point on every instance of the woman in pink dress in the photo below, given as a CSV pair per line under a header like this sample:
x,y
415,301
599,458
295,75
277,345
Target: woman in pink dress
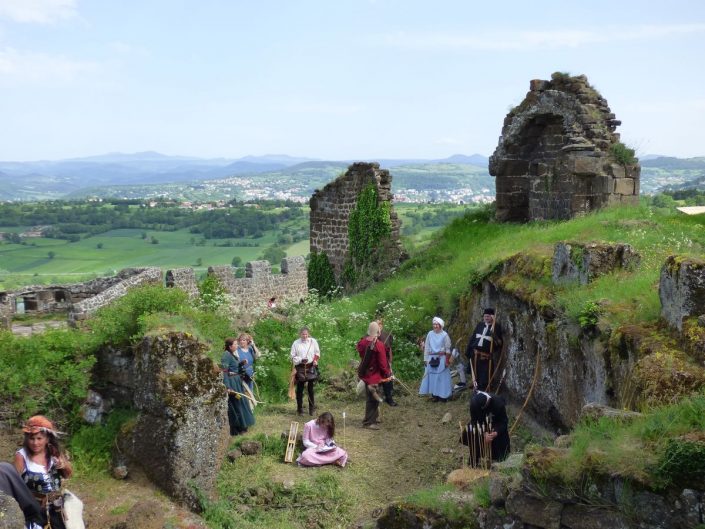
x,y
320,447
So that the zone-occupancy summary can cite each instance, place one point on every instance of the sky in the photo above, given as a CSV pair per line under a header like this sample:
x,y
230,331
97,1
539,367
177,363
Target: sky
x,y
334,79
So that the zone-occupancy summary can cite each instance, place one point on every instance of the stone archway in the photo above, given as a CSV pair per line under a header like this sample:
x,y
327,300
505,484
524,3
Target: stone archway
x,y
557,156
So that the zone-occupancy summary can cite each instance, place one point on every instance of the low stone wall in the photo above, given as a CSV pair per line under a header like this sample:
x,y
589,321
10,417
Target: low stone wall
x,y
83,309
682,289
57,299
252,292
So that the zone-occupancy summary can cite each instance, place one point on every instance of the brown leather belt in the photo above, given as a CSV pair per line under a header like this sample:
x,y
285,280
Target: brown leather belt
x,y
482,355
51,498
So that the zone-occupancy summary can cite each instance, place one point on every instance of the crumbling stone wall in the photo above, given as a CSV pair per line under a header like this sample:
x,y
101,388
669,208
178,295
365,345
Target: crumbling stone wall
x,y
556,155
331,207
59,299
682,289
259,284
143,276
183,278
180,435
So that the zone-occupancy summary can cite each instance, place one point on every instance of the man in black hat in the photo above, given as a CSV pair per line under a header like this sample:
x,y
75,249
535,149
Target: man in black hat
x,y
488,415
484,346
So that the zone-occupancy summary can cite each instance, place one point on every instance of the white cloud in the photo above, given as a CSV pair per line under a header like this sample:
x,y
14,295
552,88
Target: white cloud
x,y
509,40
19,65
37,11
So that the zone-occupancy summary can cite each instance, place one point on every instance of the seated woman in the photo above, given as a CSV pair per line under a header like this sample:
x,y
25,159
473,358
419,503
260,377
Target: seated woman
x,y
320,447
42,466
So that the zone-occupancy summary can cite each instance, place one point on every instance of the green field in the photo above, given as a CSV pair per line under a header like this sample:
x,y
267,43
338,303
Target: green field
x,y
75,261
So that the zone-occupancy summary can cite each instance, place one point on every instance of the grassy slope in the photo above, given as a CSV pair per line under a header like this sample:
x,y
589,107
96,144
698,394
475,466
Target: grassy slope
x,y
434,280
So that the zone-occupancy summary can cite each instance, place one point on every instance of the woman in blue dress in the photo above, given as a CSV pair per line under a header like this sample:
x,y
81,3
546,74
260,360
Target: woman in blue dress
x,y
246,352
436,380
240,414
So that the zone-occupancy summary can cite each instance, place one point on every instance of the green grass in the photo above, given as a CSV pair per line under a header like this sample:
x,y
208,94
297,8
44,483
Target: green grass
x,y
441,499
663,447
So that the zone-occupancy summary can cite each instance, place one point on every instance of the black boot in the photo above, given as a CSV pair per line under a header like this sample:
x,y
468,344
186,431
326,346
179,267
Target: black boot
x,y
311,406
299,404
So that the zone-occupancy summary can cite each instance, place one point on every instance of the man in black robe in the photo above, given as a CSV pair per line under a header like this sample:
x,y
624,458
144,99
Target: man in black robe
x,y
484,347
488,412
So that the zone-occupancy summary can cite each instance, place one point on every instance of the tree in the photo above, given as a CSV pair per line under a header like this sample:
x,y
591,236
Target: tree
x,y
236,262
155,240
199,261
273,254
99,245
144,235
51,254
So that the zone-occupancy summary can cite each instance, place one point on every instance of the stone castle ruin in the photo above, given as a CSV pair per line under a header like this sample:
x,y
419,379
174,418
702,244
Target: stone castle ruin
x,y
330,215
559,155
78,301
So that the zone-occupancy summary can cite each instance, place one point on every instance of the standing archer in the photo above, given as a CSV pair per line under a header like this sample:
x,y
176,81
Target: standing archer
x,y
484,346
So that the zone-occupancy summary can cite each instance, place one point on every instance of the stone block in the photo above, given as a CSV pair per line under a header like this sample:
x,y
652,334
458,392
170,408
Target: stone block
x,y
537,85
624,186
590,517
587,165
538,512
11,516
682,289
617,170
584,262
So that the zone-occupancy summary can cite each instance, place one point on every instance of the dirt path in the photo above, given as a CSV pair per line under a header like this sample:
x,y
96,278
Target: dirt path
x,y
413,449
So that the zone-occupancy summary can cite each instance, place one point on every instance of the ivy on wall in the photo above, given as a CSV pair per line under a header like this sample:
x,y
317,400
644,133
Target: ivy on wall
x,y
320,274
369,225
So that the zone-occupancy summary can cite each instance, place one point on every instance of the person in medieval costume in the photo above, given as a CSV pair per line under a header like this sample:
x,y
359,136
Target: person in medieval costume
x,y
304,355
373,371
320,446
387,340
437,381
240,415
484,349
488,415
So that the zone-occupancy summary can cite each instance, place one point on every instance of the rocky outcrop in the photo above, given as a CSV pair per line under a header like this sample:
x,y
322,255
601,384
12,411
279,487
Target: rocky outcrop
x,y
11,516
179,437
682,289
559,155
569,366
585,262
330,214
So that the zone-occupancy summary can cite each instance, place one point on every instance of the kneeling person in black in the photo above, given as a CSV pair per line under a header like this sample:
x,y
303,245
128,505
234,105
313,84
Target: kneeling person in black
x,y
488,411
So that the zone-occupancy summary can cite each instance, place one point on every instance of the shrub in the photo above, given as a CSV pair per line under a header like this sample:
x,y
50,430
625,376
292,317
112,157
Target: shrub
x,y
589,315
622,154
211,294
320,274
47,373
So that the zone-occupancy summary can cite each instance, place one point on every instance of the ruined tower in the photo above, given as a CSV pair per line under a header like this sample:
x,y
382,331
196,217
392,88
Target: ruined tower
x,y
559,155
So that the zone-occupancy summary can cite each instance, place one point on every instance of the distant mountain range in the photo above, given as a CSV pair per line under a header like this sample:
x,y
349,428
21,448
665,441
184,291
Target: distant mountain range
x,y
79,177
55,179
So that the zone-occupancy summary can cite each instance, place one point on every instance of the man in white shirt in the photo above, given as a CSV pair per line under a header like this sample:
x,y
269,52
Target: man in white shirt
x,y
304,355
